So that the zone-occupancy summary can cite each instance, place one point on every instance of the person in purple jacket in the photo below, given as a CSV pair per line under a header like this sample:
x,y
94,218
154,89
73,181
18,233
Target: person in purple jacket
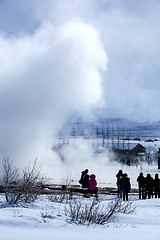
x,y
92,185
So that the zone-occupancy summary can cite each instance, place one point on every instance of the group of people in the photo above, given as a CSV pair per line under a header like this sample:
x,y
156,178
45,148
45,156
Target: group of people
x,y
148,186
123,184
89,183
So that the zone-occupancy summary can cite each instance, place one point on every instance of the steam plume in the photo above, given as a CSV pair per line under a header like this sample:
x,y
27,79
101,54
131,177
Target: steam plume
x,y
44,77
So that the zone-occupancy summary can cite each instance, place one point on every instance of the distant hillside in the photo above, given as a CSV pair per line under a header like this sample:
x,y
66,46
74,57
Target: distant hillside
x,y
109,127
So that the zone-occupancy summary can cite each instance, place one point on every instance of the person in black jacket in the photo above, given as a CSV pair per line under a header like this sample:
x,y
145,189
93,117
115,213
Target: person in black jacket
x,y
156,185
149,186
125,186
141,185
82,175
85,183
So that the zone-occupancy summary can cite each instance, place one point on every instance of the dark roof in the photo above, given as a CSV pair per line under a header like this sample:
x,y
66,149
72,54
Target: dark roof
x,y
138,149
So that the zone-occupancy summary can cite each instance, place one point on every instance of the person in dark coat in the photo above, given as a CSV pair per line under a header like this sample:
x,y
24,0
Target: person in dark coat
x,y
156,186
125,186
149,186
82,175
118,176
85,183
141,185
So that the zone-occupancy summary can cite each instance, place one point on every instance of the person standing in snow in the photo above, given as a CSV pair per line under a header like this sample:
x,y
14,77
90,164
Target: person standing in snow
x,y
85,183
119,176
82,175
149,186
92,185
141,185
156,185
125,186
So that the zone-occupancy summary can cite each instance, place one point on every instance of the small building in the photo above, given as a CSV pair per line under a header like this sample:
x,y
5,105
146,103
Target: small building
x,y
138,149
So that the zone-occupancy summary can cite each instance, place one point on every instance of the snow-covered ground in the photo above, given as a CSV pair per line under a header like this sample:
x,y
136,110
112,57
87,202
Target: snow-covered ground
x,y
17,223
24,223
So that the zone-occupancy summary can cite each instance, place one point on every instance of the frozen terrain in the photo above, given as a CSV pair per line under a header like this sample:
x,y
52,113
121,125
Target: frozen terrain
x,y
17,223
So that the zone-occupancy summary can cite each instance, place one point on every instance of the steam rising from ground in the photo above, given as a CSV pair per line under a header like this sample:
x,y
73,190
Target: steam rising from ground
x,y
79,155
52,63
44,77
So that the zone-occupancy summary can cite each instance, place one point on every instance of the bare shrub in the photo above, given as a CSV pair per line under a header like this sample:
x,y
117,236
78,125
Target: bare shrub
x,y
66,193
68,180
11,176
93,212
23,188
113,209
63,197
16,211
46,215
87,212
127,207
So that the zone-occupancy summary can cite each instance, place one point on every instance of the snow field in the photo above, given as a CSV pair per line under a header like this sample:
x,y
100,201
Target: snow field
x,y
17,223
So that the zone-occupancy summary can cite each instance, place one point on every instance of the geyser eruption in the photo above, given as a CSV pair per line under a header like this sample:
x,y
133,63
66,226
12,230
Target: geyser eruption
x,y
45,77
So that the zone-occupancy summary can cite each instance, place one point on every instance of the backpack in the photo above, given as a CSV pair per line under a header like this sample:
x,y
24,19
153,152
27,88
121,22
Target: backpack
x,y
159,184
80,181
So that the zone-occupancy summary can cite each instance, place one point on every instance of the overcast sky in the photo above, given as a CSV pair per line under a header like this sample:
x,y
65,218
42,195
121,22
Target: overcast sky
x,y
62,56
130,36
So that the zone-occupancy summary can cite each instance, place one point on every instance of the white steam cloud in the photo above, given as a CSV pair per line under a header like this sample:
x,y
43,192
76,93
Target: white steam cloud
x,y
130,35
43,78
52,63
